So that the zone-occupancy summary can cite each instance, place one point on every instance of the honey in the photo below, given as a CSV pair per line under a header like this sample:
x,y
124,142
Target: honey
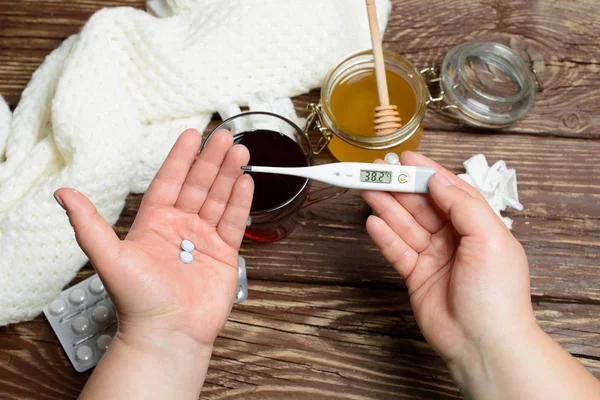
x,y
352,104
345,113
353,101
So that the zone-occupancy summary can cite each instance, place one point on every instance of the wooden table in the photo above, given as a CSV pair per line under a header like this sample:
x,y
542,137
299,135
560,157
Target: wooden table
x,y
327,317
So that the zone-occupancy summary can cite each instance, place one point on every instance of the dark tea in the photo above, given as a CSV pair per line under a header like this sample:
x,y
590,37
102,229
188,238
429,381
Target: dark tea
x,y
277,198
272,149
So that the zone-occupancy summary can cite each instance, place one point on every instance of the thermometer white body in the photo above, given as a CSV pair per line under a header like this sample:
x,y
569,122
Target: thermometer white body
x,y
362,176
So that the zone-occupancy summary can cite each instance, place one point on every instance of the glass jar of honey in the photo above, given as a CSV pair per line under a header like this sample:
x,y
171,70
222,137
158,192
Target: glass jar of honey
x,y
482,84
344,115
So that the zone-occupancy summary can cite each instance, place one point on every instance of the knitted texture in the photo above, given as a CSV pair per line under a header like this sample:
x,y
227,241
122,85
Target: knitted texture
x,y
103,110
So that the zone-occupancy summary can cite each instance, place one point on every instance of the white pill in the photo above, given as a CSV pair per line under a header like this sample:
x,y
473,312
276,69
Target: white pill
x,y
80,325
188,246
57,307
96,286
103,341
186,257
77,296
100,314
392,158
84,354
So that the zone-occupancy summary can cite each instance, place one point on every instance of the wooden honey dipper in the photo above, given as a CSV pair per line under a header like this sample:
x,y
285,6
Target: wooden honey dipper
x,y
387,120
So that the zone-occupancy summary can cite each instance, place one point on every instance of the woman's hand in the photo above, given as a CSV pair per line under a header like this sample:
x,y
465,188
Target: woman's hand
x,y
466,273
162,302
468,280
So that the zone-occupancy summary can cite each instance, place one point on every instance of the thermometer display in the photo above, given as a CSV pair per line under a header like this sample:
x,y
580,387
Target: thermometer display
x,y
375,176
361,176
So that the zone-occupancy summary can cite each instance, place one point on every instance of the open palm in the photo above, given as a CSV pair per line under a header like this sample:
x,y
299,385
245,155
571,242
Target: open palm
x,y
465,272
206,202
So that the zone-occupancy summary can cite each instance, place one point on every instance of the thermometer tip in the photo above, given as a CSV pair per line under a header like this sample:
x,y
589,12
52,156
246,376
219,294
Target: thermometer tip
x,y
246,168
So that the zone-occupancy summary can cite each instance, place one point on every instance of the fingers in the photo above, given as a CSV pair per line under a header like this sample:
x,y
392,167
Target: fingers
x,y
203,173
166,185
470,216
94,235
398,219
412,158
221,190
421,207
393,248
466,207
232,225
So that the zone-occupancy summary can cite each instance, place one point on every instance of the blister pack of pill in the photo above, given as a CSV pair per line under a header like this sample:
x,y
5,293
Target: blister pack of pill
x,y
242,289
84,318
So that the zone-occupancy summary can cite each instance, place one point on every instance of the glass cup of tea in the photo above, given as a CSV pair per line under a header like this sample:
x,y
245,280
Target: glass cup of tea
x,y
274,141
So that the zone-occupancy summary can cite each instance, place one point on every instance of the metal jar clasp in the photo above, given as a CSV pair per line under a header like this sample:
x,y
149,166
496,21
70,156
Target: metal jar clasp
x,y
435,92
315,119
431,77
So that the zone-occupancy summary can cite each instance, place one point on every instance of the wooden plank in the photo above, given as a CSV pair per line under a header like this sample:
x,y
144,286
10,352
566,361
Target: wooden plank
x,y
300,341
560,37
327,317
557,38
31,29
559,226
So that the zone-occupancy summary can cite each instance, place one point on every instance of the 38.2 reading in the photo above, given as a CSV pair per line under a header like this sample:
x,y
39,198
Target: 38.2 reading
x,y
375,176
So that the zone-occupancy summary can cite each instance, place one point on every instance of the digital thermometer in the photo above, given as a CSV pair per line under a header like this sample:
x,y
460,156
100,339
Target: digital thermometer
x,y
362,176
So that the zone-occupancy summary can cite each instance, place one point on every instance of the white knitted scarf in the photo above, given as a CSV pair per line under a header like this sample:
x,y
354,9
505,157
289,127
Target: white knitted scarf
x,y
102,111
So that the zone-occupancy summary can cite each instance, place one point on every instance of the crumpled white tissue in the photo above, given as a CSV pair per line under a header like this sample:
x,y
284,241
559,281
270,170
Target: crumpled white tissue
x,y
498,184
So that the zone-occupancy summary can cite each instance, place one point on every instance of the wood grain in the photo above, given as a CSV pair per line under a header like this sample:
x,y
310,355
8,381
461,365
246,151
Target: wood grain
x,y
559,227
327,317
300,341
558,37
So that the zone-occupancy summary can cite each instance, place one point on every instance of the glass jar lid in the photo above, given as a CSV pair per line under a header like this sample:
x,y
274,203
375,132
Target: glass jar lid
x,y
487,84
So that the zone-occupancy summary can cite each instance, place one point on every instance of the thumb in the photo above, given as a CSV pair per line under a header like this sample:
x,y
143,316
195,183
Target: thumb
x,y
94,235
471,216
